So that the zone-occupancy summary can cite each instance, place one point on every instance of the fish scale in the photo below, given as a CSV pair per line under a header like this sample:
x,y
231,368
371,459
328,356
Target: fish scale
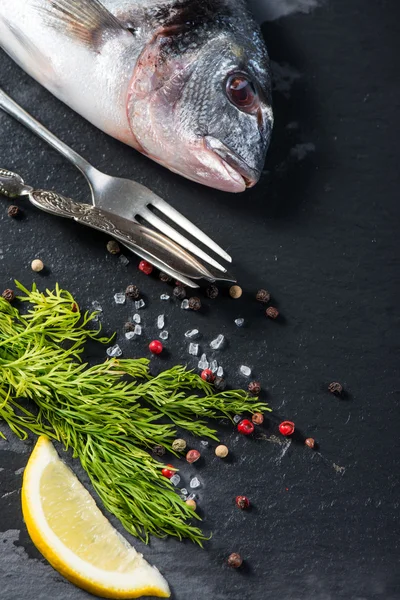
x,y
186,82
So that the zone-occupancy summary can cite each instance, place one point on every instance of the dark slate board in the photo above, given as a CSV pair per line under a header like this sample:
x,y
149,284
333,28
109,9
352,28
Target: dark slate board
x,y
320,232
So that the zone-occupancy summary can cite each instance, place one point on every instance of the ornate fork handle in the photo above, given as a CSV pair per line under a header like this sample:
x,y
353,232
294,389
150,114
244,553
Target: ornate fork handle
x,y
87,214
133,235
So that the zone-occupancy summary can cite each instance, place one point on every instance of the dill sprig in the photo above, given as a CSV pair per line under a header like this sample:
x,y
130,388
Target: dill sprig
x,y
111,414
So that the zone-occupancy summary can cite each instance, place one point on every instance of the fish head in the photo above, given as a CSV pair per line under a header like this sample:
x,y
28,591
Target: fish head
x,y
211,120
230,95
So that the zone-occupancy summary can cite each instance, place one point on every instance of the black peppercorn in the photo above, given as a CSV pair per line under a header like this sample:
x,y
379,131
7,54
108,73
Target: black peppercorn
x,y
129,326
220,384
164,277
8,295
179,292
159,450
263,296
335,388
235,560
13,211
254,388
272,312
132,292
194,303
212,292
113,247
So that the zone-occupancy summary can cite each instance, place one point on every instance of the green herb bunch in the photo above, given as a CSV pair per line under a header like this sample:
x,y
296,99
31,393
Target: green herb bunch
x,y
111,415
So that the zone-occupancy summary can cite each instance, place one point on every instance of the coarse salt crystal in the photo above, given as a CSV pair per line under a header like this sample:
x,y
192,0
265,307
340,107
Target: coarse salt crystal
x,y
214,366
218,342
193,349
114,351
123,260
246,371
185,304
195,483
175,479
119,298
192,333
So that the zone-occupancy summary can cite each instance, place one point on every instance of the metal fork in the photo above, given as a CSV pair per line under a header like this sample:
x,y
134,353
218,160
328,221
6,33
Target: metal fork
x,y
128,199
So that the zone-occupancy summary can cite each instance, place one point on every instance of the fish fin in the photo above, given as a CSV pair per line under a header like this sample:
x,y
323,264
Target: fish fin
x,y
82,20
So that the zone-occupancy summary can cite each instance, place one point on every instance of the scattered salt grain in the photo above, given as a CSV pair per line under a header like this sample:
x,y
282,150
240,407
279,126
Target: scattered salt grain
x,y
114,351
160,321
97,306
214,366
237,418
203,362
192,333
184,491
137,318
164,297
204,443
119,298
185,304
239,322
175,479
138,330
164,335
123,260
246,371
218,342
139,304
195,483
220,372
192,497
193,349
129,335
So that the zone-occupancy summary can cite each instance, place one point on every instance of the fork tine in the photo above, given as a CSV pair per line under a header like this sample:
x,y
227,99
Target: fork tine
x,y
178,238
188,226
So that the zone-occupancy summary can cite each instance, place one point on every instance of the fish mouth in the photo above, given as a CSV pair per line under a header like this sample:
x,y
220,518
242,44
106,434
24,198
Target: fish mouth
x,y
231,159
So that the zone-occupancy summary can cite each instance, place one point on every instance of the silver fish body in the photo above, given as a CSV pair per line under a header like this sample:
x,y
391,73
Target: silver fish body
x,y
186,82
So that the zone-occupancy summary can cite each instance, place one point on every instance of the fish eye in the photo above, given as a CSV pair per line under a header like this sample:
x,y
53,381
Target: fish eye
x,y
242,92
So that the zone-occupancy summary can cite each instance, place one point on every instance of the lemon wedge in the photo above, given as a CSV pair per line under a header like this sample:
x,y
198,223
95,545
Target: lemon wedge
x,y
73,535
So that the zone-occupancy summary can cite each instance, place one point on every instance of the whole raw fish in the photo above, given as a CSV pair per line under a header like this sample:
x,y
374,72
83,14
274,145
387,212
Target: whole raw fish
x,y
186,82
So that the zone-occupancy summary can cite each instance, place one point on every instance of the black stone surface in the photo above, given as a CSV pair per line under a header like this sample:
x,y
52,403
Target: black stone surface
x,y
320,231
